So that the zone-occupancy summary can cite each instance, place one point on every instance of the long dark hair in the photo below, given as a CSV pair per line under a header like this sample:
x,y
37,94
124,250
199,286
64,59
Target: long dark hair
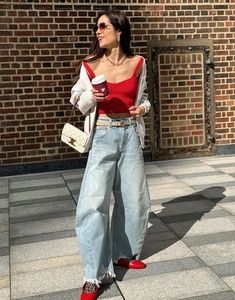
x,y
120,22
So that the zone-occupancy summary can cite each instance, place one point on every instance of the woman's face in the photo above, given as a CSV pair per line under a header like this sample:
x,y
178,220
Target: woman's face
x,y
106,34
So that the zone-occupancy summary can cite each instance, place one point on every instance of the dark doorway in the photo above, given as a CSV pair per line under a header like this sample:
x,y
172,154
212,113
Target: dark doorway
x,y
180,76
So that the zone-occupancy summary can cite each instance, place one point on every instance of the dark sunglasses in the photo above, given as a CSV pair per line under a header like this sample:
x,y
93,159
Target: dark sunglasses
x,y
102,26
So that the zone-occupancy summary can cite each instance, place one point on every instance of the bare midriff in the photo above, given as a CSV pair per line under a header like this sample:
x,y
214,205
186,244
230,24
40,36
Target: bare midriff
x,y
121,97
115,115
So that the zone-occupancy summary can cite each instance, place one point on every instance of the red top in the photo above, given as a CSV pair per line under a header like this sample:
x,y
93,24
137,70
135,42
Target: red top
x,y
122,94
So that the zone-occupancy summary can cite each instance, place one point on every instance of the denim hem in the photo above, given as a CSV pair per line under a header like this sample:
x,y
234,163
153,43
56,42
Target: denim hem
x,y
101,238
97,282
94,281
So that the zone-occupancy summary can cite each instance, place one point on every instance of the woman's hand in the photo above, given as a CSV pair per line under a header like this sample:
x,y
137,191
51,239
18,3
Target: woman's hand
x,y
98,97
137,111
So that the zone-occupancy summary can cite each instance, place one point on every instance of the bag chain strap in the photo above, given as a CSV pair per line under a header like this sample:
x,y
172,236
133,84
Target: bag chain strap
x,y
72,113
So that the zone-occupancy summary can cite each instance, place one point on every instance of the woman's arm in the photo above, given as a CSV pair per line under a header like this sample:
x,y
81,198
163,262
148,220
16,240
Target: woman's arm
x,y
81,93
142,103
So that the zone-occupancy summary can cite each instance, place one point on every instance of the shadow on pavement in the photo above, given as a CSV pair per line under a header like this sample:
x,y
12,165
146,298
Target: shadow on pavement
x,y
175,219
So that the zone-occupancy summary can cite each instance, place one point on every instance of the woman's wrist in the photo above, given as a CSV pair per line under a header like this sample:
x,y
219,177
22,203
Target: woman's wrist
x,y
142,110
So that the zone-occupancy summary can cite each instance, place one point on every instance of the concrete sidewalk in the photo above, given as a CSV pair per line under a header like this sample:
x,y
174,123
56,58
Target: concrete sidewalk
x,y
189,248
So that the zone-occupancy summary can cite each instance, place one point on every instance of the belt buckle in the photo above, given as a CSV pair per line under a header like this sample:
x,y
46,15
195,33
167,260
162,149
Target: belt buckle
x,y
122,123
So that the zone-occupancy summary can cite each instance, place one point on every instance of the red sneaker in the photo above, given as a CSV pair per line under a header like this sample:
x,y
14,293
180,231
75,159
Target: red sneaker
x,y
89,291
130,263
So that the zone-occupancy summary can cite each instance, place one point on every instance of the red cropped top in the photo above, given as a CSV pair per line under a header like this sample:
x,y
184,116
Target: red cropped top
x,y
122,94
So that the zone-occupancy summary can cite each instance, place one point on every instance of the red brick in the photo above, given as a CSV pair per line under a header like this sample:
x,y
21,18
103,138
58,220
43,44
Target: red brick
x,y
43,41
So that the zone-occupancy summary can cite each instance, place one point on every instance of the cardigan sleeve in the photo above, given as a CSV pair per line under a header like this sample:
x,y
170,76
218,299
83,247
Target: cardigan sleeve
x,y
142,98
81,94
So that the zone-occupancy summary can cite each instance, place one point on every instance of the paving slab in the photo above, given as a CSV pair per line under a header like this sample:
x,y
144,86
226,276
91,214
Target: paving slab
x,y
4,251
155,225
74,186
4,202
218,253
189,162
202,227
74,294
41,209
226,169
217,296
176,285
38,227
42,175
225,269
208,179
4,239
4,190
4,278
46,281
165,250
36,182
230,281
216,193
4,266
151,168
212,238
38,194
230,207
218,160
4,282
113,298
158,268
195,216
186,170
230,192
42,237
4,222
73,174
160,180
173,190
174,207
5,294
189,245
46,263
43,250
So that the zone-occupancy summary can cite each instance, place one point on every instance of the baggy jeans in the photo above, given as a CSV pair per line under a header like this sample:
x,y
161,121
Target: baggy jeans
x,y
115,163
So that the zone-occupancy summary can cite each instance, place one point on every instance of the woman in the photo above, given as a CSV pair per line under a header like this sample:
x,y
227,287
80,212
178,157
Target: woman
x,y
115,162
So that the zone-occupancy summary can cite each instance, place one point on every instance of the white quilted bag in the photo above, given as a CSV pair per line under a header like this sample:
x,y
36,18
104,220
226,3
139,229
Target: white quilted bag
x,y
74,137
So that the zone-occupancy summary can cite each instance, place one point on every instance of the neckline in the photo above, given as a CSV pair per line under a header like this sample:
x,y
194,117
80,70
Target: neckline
x,y
92,74
123,59
123,80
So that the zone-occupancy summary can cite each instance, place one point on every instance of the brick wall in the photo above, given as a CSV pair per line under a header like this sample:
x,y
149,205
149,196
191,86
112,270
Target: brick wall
x,y
181,100
41,39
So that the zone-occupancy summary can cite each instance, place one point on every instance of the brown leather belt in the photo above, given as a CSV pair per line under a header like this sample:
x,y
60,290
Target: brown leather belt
x,y
116,123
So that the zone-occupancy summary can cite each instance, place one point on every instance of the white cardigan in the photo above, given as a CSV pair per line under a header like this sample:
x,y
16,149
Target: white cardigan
x,y
82,98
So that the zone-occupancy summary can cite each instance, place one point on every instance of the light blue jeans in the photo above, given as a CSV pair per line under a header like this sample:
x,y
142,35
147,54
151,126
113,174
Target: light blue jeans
x,y
115,163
